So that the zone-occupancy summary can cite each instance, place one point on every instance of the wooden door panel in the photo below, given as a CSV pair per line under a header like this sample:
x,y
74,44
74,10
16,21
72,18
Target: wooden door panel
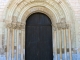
x,y
33,20
45,43
38,41
44,20
32,39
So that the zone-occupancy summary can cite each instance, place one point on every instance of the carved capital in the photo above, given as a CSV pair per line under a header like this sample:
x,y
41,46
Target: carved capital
x,y
13,26
62,25
18,26
54,28
67,26
22,26
59,26
8,25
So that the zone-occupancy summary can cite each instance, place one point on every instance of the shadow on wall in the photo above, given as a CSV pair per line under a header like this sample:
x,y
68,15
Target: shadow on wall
x,y
74,57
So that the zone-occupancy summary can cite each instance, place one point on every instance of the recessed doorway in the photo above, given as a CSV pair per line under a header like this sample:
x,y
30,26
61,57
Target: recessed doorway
x,y
38,37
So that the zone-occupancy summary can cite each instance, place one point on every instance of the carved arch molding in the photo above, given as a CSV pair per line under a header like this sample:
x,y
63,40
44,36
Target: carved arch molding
x,y
58,11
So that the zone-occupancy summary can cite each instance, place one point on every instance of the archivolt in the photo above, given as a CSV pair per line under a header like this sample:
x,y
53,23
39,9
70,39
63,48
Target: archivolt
x,y
16,8
19,10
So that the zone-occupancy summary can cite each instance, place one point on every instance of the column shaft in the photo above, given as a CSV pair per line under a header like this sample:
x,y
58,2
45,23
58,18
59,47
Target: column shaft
x,y
55,37
22,38
13,44
17,42
24,44
8,38
69,33
60,34
65,44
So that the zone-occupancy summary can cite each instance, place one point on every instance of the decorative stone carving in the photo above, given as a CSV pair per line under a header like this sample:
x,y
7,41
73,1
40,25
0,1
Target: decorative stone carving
x,y
18,26
62,24
8,25
22,18
22,26
13,26
59,26
54,28
67,26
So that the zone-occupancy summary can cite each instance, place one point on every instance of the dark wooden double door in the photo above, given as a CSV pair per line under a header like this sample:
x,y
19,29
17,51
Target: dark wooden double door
x,y
38,41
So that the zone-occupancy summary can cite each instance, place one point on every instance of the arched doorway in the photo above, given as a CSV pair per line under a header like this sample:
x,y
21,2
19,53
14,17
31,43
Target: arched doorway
x,y
38,38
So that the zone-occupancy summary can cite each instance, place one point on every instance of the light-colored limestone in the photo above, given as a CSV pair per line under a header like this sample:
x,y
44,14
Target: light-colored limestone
x,y
17,11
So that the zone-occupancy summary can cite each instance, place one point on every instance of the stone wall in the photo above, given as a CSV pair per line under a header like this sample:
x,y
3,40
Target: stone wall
x,y
75,5
3,6
8,6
